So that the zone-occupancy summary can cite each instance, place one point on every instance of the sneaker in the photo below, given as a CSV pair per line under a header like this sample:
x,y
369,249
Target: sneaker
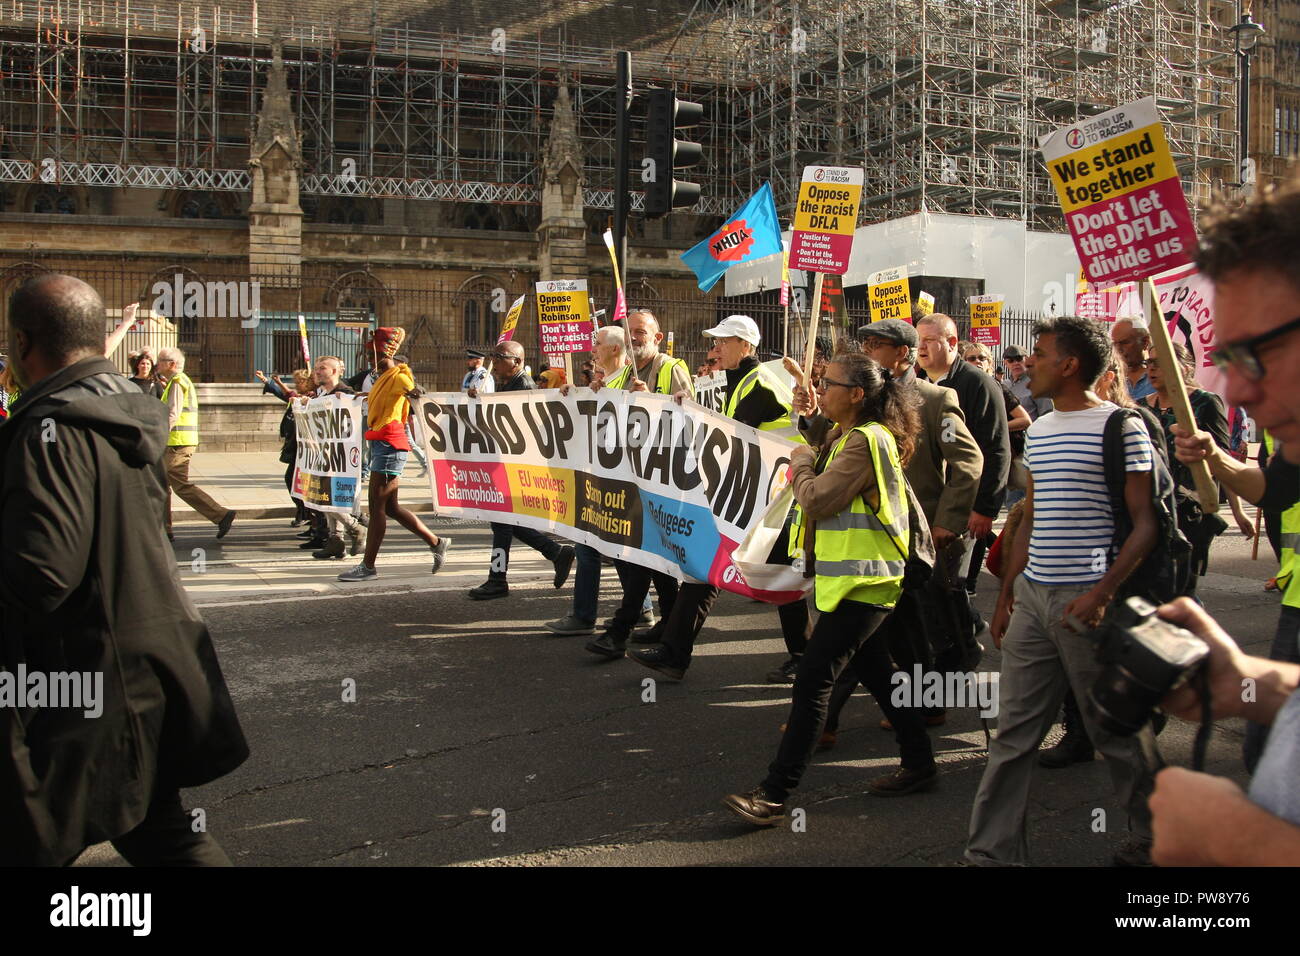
x,y
1067,751
785,673
440,553
489,589
1133,852
655,635
359,573
563,563
755,807
309,533
223,526
607,646
312,543
333,549
658,658
570,626
903,781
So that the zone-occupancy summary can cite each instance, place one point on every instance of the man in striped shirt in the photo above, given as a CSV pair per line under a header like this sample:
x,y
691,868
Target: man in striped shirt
x,y
1063,548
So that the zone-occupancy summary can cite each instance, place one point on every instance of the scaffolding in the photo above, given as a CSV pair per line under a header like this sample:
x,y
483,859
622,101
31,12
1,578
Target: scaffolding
x,y
941,101
944,101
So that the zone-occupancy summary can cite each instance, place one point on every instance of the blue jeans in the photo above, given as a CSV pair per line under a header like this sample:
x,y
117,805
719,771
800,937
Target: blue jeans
x,y
586,583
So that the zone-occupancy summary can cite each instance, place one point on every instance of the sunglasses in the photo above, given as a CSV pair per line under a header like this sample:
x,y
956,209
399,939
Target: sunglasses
x,y
1244,355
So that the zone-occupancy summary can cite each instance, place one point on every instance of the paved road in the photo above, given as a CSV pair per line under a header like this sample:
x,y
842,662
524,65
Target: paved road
x,y
468,713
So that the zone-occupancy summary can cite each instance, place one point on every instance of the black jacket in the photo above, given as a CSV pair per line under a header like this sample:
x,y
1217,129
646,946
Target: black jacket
x,y
520,383
760,405
981,401
88,583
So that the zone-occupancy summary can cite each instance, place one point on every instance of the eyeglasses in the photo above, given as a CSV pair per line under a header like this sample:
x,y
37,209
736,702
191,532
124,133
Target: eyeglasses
x,y
1244,355
825,382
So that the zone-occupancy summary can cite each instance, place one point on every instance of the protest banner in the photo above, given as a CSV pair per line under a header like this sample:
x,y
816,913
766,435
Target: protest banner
x,y
1120,193
888,295
924,306
711,390
1187,303
512,320
986,319
825,218
327,470
634,475
564,316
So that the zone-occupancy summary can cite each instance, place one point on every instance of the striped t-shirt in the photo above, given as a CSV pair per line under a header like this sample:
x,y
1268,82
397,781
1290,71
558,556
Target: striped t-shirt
x,y
1073,525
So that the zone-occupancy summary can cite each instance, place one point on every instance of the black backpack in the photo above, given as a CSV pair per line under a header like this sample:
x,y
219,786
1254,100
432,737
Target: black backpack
x,y
1157,578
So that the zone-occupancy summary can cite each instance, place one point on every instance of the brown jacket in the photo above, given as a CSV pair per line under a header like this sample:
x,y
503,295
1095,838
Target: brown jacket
x,y
947,499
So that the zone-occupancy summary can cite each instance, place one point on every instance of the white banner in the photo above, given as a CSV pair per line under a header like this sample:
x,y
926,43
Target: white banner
x,y
634,475
327,470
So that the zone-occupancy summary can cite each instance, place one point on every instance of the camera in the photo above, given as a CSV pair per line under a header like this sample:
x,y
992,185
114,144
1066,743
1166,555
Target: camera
x,y
1143,658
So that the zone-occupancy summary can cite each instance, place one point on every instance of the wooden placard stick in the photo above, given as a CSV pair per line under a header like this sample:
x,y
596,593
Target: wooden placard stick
x,y
810,350
1207,493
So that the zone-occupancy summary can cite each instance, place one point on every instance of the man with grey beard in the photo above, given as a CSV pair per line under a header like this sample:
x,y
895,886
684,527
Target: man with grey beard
x,y
650,371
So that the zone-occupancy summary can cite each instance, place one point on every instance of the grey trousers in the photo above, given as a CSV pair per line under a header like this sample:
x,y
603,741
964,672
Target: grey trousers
x,y
1039,656
338,521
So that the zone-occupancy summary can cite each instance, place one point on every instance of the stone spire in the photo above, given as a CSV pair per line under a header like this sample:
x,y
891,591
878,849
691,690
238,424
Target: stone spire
x,y
562,244
275,120
275,157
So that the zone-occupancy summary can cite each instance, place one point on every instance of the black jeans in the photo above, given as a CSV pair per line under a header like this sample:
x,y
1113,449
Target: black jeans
x,y
166,837
841,636
1286,647
905,637
636,582
504,534
691,609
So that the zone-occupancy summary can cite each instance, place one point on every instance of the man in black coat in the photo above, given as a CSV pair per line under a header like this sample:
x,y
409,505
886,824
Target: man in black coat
x,y
508,371
88,586
981,401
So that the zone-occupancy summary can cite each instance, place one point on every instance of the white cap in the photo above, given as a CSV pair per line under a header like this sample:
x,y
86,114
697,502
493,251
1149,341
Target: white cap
x,y
739,326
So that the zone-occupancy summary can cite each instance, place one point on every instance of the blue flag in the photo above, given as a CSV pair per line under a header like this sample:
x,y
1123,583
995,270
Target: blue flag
x,y
751,233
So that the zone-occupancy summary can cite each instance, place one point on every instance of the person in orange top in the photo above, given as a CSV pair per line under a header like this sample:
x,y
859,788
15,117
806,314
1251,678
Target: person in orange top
x,y
390,406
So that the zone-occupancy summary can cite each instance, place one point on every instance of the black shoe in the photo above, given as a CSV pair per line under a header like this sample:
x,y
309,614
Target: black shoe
x,y
660,659
333,549
309,533
563,563
224,525
489,589
755,807
655,635
902,782
608,646
785,673
1069,750
313,543
647,619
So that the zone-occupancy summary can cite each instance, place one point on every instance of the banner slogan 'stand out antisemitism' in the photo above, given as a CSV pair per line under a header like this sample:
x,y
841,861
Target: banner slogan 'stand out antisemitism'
x,y
636,476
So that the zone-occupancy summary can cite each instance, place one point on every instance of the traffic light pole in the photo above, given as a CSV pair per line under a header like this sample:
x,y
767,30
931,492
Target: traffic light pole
x,y
623,98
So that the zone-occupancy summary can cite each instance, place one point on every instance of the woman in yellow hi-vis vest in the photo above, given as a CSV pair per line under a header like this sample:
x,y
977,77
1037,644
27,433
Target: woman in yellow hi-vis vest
x,y
851,530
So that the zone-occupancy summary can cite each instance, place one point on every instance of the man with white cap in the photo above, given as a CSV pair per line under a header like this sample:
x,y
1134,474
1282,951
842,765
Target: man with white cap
x,y
752,400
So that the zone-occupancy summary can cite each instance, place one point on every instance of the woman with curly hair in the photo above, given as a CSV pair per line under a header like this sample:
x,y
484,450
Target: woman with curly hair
x,y
851,530
142,365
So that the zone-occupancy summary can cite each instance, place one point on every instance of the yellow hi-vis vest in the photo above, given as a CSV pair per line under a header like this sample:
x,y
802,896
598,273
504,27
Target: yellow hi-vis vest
x,y
1287,578
758,378
186,429
861,553
663,379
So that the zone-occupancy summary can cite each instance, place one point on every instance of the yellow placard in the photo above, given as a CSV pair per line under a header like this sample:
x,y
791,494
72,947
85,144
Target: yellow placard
x,y
1112,168
888,294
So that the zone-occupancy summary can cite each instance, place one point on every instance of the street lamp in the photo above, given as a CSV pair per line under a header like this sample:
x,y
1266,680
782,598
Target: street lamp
x,y
1245,34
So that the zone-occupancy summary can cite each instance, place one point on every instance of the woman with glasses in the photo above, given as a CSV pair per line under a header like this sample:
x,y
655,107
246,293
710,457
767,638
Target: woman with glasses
x,y
1207,409
851,530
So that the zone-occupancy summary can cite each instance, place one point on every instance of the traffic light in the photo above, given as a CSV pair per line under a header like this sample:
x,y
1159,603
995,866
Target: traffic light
x,y
665,153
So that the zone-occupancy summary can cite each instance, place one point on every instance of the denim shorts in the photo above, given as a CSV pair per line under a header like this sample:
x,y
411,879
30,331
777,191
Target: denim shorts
x,y
385,459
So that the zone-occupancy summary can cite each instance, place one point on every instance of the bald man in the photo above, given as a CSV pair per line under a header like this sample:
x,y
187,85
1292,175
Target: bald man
x,y
89,590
